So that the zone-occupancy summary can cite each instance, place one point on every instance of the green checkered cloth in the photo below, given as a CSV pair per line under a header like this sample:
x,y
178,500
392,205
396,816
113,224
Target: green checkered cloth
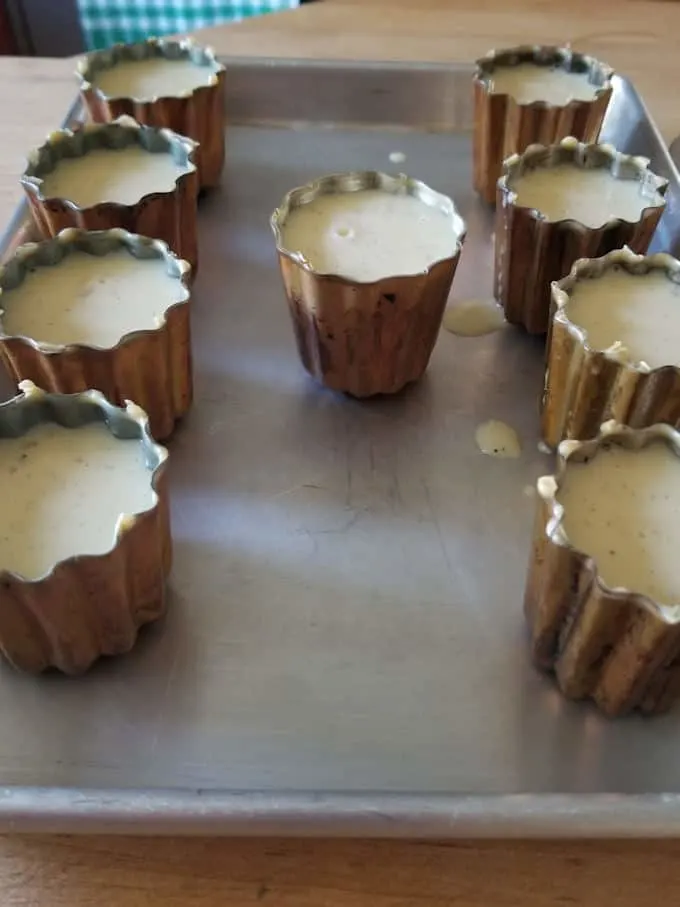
x,y
107,22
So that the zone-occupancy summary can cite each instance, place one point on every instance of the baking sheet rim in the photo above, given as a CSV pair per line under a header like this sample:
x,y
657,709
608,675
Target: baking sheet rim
x,y
371,814
25,810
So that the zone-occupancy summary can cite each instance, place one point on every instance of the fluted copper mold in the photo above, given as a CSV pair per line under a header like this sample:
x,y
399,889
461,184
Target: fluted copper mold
x,y
502,126
531,252
151,367
615,646
170,216
584,386
358,337
88,605
200,113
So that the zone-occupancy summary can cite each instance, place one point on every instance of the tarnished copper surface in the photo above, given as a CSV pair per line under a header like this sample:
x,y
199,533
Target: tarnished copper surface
x,y
503,127
93,605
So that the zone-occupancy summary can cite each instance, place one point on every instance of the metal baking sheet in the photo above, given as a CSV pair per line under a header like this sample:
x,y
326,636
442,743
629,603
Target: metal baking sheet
x,y
345,650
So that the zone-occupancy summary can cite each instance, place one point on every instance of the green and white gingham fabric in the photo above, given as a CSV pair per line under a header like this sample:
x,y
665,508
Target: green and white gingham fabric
x,y
107,22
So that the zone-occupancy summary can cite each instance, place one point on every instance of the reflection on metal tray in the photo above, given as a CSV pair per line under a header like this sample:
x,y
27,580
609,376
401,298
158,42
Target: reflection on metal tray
x,y
674,149
345,650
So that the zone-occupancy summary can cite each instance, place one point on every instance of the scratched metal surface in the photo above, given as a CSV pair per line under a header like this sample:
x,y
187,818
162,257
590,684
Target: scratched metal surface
x,y
345,649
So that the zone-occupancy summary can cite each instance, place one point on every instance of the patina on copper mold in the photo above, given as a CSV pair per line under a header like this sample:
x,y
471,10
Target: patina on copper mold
x,y
503,127
584,386
151,367
531,252
170,216
612,645
199,113
366,338
87,606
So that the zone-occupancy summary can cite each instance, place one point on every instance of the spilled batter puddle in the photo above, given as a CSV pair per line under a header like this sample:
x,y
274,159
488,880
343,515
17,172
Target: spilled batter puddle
x,y
473,318
498,439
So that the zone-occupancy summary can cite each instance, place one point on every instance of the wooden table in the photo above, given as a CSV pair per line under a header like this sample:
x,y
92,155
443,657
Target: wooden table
x,y
637,38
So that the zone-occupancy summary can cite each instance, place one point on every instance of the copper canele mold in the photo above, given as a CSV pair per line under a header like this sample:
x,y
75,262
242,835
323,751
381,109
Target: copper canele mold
x,y
199,113
531,252
170,216
151,367
502,126
87,606
614,646
366,338
585,386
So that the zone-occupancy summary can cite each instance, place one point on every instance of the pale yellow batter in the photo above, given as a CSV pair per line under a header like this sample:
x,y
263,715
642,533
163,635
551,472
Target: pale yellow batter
x,y
623,509
640,312
63,491
123,176
590,196
528,82
90,299
473,317
156,77
369,234
498,439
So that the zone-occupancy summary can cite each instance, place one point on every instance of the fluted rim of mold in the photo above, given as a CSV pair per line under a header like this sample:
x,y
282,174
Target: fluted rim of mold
x,y
594,268
120,133
548,487
600,75
50,253
35,406
596,156
356,181
88,66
